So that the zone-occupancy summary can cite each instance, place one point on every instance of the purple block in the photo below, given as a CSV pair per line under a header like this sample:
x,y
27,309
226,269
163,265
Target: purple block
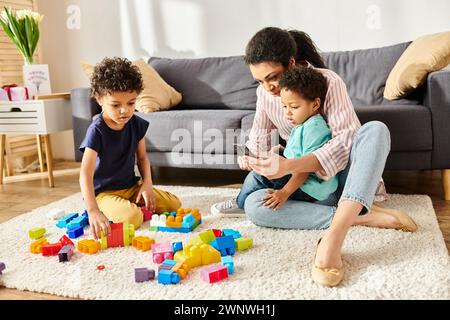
x,y
143,274
65,253
2,267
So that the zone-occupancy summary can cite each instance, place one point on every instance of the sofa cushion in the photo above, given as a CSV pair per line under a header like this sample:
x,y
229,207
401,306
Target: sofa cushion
x,y
365,71
193,130
219,83
426,54
410,125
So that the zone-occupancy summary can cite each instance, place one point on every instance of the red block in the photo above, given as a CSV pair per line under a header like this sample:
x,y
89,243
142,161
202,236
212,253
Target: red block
x,y
115,239
65,240
217,232
213,274
51,249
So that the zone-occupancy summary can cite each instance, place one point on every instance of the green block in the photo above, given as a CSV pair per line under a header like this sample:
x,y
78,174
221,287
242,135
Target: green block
x,y
128,234
103,241
243,243
204,237
165,213
152,228
36,233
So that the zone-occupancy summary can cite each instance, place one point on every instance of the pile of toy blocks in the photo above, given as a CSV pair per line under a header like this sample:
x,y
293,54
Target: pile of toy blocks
x,y
63,248
184,220
209,247
74,223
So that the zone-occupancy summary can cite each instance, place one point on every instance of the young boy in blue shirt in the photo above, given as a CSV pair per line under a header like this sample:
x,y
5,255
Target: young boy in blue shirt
x,y
303,92
113,143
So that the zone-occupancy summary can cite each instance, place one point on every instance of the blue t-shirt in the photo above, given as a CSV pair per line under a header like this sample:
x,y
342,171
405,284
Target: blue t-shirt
x,y
116,152
307,138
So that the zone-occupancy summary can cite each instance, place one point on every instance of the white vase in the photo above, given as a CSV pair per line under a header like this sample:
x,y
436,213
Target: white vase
x,y
36,78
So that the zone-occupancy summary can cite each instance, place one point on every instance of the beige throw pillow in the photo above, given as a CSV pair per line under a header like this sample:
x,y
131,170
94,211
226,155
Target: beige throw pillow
x,y
426,54
157,94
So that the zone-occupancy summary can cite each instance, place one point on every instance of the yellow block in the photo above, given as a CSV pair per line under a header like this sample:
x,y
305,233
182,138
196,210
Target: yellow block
x,y
209,254
36,247
190,255
88,246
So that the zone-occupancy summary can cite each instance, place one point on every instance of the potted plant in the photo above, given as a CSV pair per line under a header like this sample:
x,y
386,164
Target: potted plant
x,y
22,27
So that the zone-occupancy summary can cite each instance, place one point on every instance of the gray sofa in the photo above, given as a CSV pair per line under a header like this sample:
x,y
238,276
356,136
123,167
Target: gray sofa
x,y
220,95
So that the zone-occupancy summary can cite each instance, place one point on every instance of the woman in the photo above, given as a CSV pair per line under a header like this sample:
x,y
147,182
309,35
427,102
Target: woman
x,y
357,154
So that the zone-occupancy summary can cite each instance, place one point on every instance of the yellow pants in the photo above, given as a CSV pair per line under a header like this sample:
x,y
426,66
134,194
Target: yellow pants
x,y
120,206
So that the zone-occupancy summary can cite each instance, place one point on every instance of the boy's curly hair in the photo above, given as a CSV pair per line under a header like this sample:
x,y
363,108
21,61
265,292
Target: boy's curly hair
x,y
115,75
307,82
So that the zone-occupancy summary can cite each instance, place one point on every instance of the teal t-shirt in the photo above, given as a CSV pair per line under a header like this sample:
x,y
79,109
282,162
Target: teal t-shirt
x,y
304,139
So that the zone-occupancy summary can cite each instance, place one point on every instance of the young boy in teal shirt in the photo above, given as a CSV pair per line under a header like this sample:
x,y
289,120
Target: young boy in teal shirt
x,y
303,92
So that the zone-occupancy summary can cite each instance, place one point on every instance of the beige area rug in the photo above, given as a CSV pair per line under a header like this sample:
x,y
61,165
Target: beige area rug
x,y
380,264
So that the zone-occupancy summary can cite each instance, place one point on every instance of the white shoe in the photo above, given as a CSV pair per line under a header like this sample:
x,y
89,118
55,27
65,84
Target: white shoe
x,y
228,208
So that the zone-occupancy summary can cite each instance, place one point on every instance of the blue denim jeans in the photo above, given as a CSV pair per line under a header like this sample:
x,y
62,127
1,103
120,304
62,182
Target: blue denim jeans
x,y
254,182
357,182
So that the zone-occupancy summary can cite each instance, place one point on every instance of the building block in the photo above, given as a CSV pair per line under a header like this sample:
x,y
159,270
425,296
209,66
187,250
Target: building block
x,y
213,274
180,230
64,240
166,214
62,223
143,243
36,233
162,251
188,221
173,214
65,253
147,214
75,232
164,266
51,249
152,228
88,246
168,277
2,267
217,232
36,247
143,274
228,262
80,221
55,214
209,254
203,237
173,222
177,246
243,243
115,238
128,234
169,262
181,268
190,255
225,245
86,215
230,232
103,242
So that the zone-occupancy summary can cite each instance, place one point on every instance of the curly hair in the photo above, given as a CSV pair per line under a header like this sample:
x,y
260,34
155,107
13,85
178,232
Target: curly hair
x,y
115,75
307,82
273,44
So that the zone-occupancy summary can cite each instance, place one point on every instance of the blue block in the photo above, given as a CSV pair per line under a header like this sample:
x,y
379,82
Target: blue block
x,y
228,262
86,215
181,230
224,244
173,214
75,232
177,246
169,262
168,277
62,223
77,222
231,232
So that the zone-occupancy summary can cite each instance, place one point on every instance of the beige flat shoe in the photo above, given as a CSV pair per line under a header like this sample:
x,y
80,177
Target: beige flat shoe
x,y
329,277
407,224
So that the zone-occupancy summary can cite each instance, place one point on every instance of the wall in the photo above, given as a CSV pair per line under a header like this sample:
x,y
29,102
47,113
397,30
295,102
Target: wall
x,y
87,30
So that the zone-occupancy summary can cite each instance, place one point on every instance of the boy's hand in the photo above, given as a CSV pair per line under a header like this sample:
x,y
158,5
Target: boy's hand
x,y
99,222
275,199
146,192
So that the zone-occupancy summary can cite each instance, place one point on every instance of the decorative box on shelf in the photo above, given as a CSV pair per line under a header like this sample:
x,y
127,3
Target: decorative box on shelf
x,y
41,117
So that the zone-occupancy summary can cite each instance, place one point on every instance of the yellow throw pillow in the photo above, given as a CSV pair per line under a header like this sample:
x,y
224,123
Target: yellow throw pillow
x,y
424,55
157,94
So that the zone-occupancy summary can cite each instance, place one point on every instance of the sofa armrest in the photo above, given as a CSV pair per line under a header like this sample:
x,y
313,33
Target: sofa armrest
x,y
83,109
437,98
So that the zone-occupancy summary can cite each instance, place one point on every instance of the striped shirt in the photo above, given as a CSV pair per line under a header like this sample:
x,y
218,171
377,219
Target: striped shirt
x,y
341,117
